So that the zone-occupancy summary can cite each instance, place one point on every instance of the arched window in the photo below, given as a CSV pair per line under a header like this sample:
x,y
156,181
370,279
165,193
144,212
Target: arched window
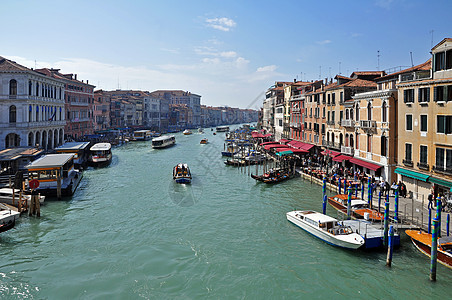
x,y
351,113
37,113
351,140
369,111
346,140
12,114
60,115
346,115
384,113
30,113
30,87
13,87
383,146
30,139
37,88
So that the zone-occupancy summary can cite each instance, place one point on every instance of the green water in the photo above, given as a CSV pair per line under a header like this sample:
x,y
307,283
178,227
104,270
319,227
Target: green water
x,y
129,232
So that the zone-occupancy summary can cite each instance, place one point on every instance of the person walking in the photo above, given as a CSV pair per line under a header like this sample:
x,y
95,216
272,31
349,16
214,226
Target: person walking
x,y
430,201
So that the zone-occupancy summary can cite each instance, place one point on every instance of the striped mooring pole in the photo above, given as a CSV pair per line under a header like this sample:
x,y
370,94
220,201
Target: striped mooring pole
x,y
379,200
369,192
390,246
349,204
448,224
434,250
396,205
438,214
362,191
429,221
386,222
339,181
324,196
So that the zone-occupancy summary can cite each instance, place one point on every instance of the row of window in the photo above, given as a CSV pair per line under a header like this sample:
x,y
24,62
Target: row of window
x,y
443,157
443,123
440,93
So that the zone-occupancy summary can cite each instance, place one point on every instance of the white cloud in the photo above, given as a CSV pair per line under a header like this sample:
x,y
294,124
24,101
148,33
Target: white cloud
x,y
324,42
228,54
223,24
270,68
386,4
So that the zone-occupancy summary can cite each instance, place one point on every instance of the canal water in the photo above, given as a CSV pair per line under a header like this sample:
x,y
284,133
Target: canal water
x,y
129,232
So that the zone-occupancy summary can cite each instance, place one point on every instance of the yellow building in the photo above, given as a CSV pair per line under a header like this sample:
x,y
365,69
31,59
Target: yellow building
x,y
425,125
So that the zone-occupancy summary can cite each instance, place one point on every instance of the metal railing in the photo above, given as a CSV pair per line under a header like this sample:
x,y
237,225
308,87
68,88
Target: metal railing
x,y
368,124
347,150
347,123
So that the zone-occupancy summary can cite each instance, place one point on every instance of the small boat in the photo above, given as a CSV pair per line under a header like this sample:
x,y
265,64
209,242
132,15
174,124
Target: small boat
x,y
360,208
200,130
326,228
214,133
274,176
187,132
222,129
163,141
423,242
8,218
100,154
204,141
181,173
142,135
373,233
6,196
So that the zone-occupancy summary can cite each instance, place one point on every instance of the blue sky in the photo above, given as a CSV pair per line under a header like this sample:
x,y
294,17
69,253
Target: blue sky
x,y
228,51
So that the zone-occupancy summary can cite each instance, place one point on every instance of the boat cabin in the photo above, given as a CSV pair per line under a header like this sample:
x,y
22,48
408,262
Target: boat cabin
x,y
142,135
15,159
79,149
56,174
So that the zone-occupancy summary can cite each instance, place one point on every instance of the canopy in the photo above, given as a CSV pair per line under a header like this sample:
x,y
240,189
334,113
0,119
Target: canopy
x,y
341,158
282,153
300,145
269,143
299,151
412,174
330,153
268,147
441,182
283,141
365,164
257,135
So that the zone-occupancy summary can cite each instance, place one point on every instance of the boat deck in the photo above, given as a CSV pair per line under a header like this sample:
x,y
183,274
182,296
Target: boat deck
x,y
373,233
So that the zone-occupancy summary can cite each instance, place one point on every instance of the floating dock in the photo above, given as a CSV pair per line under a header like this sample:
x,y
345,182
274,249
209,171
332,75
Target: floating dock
x,y
372,233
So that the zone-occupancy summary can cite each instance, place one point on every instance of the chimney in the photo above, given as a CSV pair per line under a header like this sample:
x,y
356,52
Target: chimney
x,y
75,76
86,81
294,80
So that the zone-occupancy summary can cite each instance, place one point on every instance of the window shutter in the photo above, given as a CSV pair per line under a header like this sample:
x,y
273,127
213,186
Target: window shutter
x,y
404,96
435,93
428,95
419,95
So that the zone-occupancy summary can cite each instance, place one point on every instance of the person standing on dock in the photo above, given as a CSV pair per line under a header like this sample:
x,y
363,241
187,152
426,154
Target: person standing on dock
x,y
430,201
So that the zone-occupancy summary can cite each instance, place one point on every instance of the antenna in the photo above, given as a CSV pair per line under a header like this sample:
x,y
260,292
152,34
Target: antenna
x,y
378,60
411,54
431,43
339,68
35,64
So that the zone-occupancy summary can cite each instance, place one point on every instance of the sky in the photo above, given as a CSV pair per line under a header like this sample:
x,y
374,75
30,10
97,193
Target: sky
x,y
228,51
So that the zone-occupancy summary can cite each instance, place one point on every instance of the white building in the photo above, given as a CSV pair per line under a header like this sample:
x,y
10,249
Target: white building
x,y
31,107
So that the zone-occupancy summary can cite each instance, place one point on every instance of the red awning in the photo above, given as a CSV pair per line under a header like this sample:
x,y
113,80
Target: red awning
x,y
269,143
330,153
299,151
257,135
301,145
365,164
283,141
282,149
267,135
268,147
341,158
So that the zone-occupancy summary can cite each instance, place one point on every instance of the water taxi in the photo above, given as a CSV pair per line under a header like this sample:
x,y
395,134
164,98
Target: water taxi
x,y
326,228
187,132
55,172
222,128
80,151
181,173
100,154
6,196
163,141
360,208
142,135
204,141
8,218
423,242
200,130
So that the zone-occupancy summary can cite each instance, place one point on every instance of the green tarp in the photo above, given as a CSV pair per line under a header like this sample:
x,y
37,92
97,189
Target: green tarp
x,y
440,182
288,152
412,174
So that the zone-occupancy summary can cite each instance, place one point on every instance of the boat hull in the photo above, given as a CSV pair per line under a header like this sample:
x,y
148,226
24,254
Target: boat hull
x,y
357,213
184,180
323,235
443,257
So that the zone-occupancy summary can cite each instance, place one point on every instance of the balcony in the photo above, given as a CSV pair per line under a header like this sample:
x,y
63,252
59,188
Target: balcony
x,y
368,124
330,122
329,144
32,124
423,166
442,170
347,150
348,123
408,163
295,125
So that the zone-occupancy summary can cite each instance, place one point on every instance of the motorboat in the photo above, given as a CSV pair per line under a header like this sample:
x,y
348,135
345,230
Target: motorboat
x,y
6,196
204,141
163,141
360,208
100,154
423,242
187,132
326,228
8,218
181,173
222,128
200,130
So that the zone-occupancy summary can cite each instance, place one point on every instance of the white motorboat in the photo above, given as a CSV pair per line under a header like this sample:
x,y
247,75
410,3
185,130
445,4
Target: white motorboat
x,y
8,218
187,132
100,154
6,196
326,228
181,173
163,141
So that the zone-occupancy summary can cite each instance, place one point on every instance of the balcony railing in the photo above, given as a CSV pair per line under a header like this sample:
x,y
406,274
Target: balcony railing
x,y
331,144
369,124
348,123
295,125
347,150
423,166
330,122
408,163
442,169
32,124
